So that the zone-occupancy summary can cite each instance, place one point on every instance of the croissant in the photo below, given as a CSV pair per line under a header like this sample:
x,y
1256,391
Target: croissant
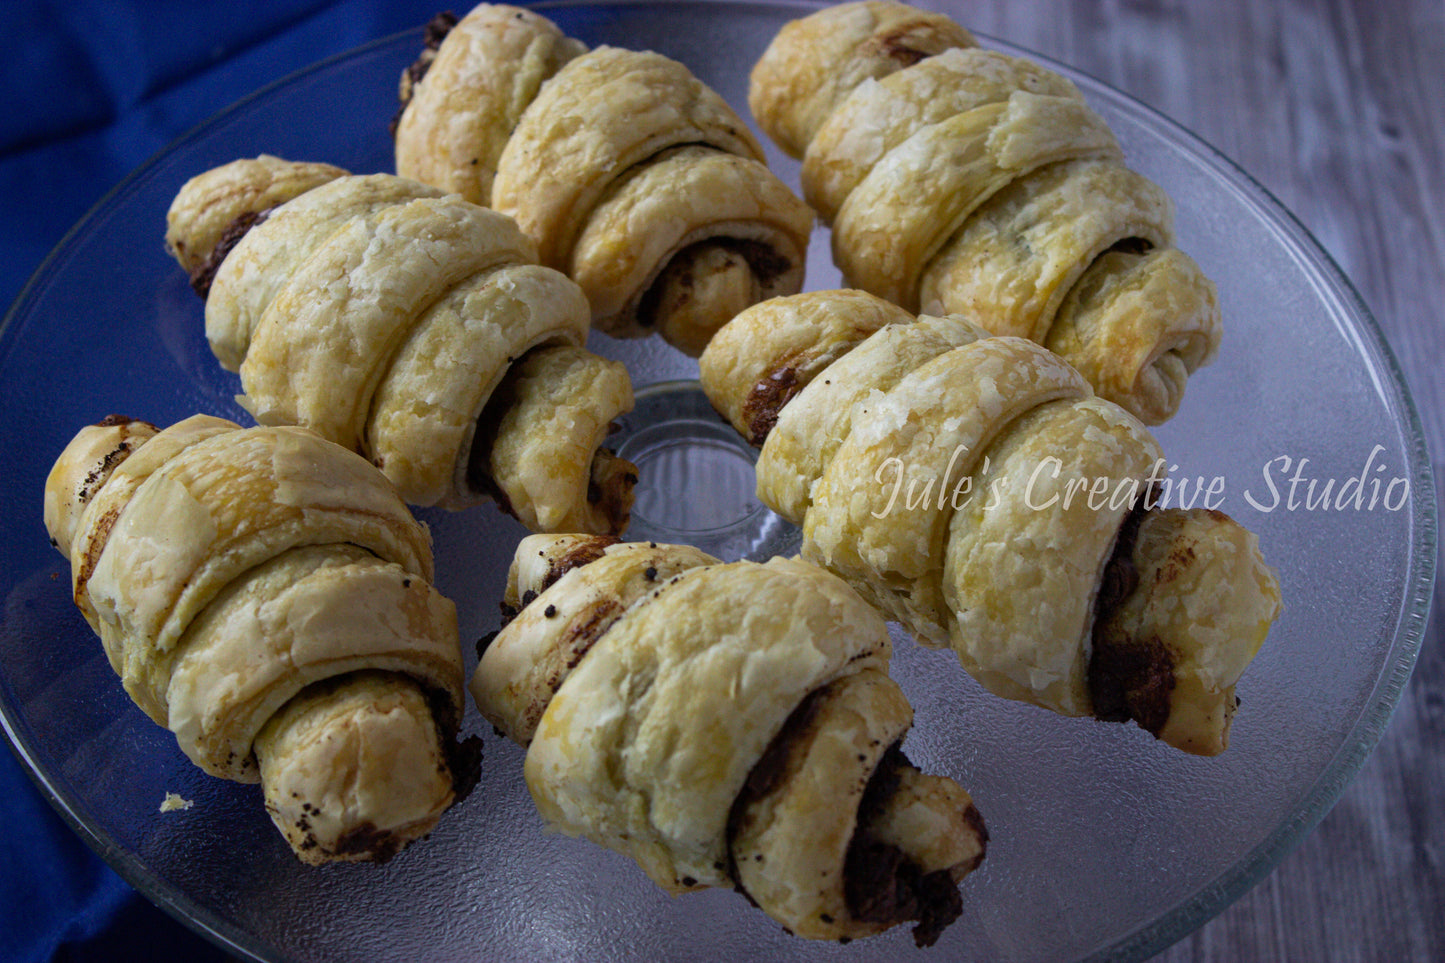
x,y
958,179
266,596
726,725
973,488
636,179
413,327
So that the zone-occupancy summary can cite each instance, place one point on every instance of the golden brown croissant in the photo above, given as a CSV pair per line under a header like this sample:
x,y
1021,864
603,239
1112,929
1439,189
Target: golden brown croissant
x,y
973,488
265,595
636,179
726,725
958,179
413,327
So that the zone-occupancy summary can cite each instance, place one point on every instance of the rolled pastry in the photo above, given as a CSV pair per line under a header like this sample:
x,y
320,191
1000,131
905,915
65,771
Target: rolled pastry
x,y
964,180
387,317
726,725
265,595
634,178
974,488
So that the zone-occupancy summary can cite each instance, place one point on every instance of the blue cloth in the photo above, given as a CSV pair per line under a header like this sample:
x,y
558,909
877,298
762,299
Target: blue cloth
x,y
94,89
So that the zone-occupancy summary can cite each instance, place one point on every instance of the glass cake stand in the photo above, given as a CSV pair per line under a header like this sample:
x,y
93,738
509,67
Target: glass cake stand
x,y
1106,844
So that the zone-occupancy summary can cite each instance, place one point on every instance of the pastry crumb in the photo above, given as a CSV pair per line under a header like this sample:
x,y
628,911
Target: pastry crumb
x,y
173,802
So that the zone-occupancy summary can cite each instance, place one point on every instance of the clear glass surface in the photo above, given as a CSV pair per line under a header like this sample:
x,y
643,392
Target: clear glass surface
x,y
1105,843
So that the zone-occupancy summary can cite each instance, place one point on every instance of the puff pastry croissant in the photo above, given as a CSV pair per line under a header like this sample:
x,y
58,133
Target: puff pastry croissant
x,y
958,179
726,725
265,595
412,326
974,488
635,178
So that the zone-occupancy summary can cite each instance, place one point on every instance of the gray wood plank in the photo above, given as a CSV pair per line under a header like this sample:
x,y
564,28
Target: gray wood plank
x,y
1338,108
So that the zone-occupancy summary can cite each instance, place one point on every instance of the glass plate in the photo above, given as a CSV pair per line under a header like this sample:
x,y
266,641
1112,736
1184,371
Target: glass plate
x,y
1105,842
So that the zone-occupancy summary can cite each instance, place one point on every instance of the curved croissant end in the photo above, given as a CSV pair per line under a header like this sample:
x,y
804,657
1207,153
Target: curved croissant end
x,y
963,180
758,752
973,488
285,628
634,178
406,324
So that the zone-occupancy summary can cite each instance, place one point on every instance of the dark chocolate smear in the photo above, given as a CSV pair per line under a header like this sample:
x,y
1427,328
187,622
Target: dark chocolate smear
x,y
205,272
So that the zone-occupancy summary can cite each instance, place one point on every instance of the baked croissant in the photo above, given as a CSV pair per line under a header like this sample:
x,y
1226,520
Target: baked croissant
x,y
973,488
266,596
958,179
726,725
636,179
413,327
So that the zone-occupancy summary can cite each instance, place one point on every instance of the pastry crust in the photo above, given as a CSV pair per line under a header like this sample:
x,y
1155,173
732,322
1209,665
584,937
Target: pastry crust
x,y
608,110
266,595
529,662
384,315
230,502
1026,555
1209,626
767,354
973,488
682,197
653,774
806,828
815,422
634,177
367,749
455,124
306,615
548,447
1024,249
697,716
815,62
921,193
879,115
207,205
967,181
1136,325
426,412
880,511
260,265
322,345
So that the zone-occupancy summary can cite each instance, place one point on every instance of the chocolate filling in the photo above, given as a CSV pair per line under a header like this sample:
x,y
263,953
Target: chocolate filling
x,y
765,402
896,50
881,884
380,845
205,272
897,46
489,422
582,635
113,421
465,759
772,766
583,552
1132,245
766,774
435,32
611,493
1129,678
100,474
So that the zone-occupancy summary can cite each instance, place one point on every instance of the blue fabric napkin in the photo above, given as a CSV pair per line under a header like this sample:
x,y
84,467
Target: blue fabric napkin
x,y
94,89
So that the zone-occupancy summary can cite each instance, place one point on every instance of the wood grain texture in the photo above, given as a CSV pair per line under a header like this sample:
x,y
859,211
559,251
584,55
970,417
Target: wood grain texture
x,y
1338,108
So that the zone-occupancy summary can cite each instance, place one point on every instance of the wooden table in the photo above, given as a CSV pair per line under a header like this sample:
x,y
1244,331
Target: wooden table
x,y
1338,108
